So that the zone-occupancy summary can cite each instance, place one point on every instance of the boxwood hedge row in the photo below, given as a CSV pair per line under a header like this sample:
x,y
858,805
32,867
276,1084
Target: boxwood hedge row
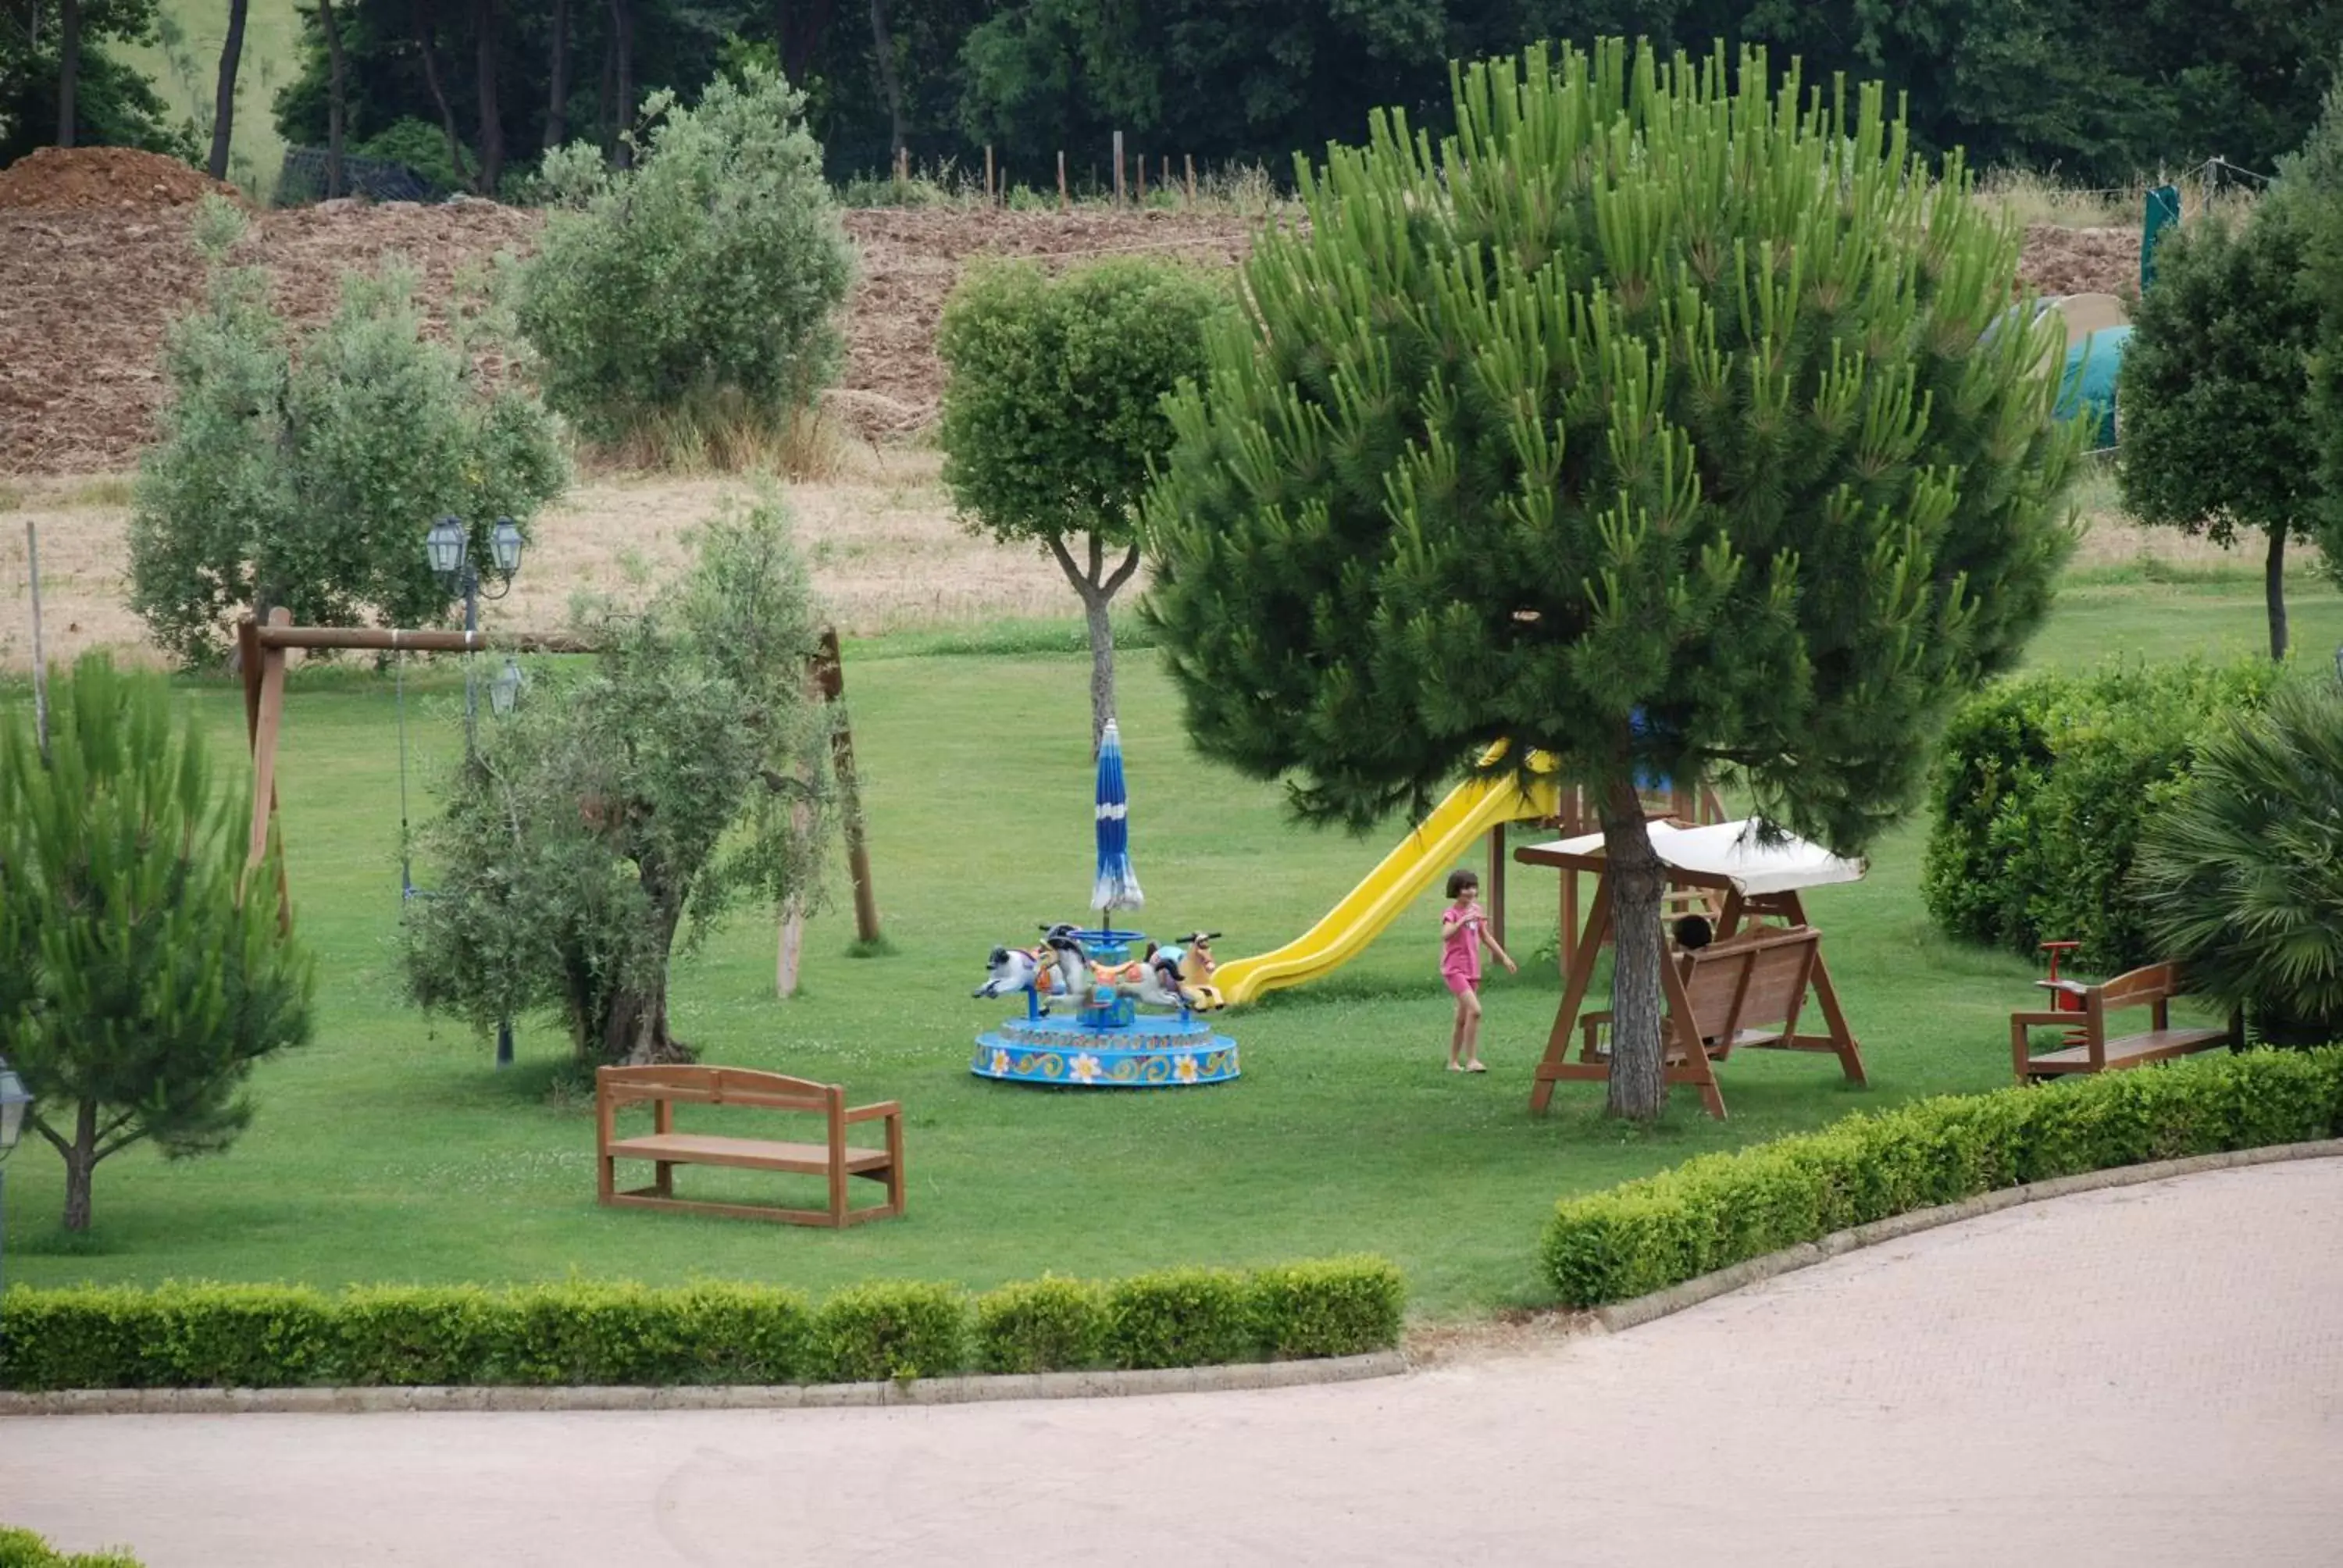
x,y
1712,1212
583,1333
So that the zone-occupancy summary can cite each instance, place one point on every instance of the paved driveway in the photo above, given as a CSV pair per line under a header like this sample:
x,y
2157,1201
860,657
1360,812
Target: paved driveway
x,y
2150,1375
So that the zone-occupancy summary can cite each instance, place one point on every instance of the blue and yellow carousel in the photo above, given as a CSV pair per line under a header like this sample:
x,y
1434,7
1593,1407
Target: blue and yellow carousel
x,y
1085,988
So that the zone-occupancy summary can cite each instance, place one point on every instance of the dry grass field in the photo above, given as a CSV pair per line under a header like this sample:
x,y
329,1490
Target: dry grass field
x,y
887,554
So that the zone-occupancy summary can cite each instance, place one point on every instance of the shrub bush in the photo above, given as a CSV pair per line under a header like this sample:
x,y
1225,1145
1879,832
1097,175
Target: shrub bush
x,y
707,277
715,1332
1722,1208
896,1329
1179,1318
2239,872
1049,1324
2043,789
1335,1307
23,1548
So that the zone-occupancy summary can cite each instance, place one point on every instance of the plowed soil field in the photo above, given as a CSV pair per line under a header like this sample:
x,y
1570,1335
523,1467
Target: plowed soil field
x,y
95,262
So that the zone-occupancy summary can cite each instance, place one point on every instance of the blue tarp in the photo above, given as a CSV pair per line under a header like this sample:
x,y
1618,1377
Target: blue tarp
x,y
2087,390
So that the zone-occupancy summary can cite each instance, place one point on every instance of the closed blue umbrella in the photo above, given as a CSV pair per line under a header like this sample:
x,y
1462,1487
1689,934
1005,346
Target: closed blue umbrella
x,y
1118,884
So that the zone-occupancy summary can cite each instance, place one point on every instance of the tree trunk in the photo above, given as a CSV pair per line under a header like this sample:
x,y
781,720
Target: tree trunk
x,y
1632,866
69,67
622,47
605,98
2274,591
224,99
557,95
336,98
1097,587
884,48
81,1165
439,95
484,85
635,1034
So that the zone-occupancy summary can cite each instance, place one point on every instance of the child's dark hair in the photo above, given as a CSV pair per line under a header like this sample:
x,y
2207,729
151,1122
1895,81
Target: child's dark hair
x,y
1694,932
1459,879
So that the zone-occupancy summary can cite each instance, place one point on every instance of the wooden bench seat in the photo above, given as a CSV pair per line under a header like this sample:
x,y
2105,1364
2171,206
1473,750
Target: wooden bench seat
x,y
2086,1047
663,1088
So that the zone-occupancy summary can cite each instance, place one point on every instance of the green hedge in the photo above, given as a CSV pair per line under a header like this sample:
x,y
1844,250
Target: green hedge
x,y
1722,1208
23,1548
589,1334
2044,785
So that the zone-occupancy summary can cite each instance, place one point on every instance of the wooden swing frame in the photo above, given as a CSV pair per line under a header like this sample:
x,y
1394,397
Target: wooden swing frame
x,y
1687,1062
261,651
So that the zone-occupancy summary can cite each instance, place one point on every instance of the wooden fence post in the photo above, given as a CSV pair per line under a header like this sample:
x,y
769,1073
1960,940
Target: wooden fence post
x,y
1064,203
1191,179
1117,168
902,166
988,173
1142,180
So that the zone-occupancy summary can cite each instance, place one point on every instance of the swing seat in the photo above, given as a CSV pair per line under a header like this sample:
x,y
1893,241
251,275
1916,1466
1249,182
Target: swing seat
x,y
1743,992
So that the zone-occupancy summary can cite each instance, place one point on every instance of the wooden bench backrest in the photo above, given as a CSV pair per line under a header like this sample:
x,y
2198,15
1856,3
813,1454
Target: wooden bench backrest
x,y
1755,978
718,1086
2139,988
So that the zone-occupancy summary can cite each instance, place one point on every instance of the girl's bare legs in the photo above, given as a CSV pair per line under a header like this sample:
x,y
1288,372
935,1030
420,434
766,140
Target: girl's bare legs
x,y
1463,1047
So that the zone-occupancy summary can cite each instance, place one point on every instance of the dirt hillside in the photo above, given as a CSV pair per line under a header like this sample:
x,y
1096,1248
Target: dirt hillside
x,y
95,262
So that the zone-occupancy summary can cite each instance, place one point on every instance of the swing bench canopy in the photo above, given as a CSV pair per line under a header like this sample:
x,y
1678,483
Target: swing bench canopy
x,y
1723,854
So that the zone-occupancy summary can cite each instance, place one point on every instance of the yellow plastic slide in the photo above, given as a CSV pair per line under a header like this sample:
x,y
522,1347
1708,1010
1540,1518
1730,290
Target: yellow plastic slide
x,y
1471,809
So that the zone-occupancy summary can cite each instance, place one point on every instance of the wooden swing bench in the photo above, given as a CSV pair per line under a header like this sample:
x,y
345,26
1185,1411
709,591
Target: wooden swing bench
x,y
2086,1047
1742,992
663,1088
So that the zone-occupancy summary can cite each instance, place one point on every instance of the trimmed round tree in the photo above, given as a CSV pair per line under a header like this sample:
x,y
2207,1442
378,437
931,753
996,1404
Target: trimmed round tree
x,y
2214,388
1054,412
1663,419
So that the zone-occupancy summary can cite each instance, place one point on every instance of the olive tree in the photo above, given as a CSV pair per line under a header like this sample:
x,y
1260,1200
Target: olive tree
x,y
629,803
143,969
302,469
704,281
1661,419
1053,414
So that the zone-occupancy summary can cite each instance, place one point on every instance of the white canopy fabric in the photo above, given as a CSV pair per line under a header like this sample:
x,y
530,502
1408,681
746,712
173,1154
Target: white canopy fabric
x,y
1730,850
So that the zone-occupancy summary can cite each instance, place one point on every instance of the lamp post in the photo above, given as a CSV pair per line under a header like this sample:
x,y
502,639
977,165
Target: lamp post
x,y
15,1105
448,548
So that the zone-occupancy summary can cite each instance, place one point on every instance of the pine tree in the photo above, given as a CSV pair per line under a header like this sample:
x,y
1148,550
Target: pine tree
x,y
142,970
1661,419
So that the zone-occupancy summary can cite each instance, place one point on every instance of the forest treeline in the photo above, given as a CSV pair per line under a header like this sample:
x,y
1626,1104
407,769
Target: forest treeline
x,y
2093,91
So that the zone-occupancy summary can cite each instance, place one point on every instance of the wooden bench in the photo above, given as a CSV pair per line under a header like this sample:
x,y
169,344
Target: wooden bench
x,y
1743,992
663,1088
2088,1046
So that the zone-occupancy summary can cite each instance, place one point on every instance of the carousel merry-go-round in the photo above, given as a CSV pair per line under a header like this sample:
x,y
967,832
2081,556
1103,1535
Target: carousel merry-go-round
x,y
1105,1007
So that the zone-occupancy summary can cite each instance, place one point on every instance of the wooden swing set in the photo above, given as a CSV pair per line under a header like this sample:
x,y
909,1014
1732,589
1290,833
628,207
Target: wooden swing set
x,y
262,651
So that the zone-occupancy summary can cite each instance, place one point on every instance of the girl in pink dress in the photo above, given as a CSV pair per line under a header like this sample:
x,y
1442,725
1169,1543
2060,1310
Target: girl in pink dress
x,y
1464,927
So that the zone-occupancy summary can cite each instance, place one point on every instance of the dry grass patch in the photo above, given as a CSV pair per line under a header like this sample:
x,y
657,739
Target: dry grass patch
x,y
886,552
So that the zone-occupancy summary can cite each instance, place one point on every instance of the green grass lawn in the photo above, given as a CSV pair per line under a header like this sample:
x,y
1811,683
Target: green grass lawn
x,y
391,1148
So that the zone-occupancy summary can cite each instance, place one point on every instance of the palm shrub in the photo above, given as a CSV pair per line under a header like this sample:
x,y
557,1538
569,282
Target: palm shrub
x,y
2242,874
143,969
301,470
701,284
1654,420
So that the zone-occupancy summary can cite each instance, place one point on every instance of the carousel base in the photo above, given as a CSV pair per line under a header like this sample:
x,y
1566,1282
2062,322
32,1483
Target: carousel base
x,y
1145,1051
